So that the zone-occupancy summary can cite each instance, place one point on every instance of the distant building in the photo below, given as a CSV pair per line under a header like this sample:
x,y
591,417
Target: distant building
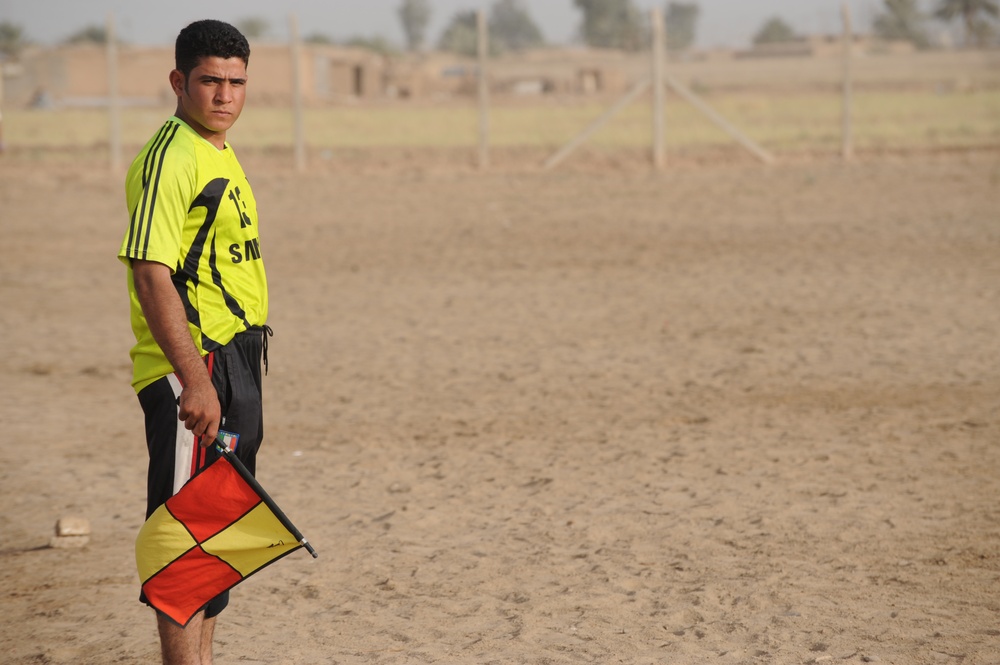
x,y
823,46
527,73
572,71
77,75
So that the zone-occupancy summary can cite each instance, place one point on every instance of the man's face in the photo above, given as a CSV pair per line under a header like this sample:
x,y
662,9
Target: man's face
x,y
211,98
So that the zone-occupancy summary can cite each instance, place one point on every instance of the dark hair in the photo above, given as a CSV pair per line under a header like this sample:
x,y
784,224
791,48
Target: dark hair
x,y
208,38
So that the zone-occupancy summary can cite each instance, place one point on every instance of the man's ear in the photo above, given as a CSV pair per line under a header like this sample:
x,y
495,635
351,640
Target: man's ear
x,y
178,82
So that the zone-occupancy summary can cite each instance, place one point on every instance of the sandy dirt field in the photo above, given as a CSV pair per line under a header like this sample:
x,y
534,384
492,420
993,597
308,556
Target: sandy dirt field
x,y
722,414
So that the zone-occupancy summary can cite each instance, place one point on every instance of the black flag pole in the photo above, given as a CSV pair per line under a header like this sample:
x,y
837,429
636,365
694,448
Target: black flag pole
x,y
265,497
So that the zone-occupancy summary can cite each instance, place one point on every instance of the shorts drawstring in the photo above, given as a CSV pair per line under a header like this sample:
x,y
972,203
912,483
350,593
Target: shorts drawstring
x,y
266,332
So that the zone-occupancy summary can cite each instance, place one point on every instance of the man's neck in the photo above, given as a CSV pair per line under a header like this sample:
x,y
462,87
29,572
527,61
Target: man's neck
x,y
217,139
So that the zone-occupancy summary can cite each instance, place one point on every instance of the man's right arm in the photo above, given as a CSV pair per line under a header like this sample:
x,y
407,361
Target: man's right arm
x,y
164,312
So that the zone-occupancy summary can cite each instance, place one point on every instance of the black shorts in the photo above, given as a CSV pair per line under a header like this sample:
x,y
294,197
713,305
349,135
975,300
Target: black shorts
x,y
175,454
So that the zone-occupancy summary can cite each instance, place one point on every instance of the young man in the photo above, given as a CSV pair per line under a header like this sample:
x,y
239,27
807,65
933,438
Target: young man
x,y
197,289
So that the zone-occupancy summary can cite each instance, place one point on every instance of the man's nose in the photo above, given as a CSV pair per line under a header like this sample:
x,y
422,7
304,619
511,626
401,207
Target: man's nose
x,y
224,93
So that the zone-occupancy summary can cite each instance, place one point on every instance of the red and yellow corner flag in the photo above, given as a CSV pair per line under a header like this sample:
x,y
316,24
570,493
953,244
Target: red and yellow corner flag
x,y
219,529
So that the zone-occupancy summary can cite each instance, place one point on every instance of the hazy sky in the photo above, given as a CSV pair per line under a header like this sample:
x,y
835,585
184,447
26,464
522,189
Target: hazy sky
x,y
722,22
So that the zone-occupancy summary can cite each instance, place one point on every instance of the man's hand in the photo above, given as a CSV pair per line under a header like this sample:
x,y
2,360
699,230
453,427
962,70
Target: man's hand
x,y
200,411
164,312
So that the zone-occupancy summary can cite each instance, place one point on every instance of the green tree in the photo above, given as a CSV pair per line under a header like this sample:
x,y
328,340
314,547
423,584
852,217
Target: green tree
x,y
92,34
682,23
978,28
512,28
611,24
903,20
253,27
461,35
415,15
11,39
774,31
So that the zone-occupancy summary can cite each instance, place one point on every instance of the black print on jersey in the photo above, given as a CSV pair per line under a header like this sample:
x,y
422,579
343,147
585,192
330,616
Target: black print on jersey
x,y
234,196
251,251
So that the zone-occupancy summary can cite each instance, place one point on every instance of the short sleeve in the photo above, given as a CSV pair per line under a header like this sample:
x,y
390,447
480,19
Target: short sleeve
x,y
159,189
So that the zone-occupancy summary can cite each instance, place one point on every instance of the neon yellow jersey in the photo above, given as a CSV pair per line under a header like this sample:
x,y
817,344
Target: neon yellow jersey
x,y
192,210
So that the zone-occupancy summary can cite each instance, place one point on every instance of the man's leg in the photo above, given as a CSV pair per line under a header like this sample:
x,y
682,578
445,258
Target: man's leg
x,y
207,635
184,646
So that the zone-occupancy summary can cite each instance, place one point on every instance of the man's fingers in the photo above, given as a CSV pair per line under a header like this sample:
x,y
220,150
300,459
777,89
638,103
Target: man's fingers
x,y
211,431
201,426
207,430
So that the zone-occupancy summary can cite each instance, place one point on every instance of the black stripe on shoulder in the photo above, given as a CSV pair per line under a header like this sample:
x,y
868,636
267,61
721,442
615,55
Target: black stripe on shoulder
x,y
139,215
137,212
156,143
153,189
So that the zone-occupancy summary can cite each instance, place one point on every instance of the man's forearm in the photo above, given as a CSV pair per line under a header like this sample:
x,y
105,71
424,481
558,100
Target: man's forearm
x,y
167,321
198,404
